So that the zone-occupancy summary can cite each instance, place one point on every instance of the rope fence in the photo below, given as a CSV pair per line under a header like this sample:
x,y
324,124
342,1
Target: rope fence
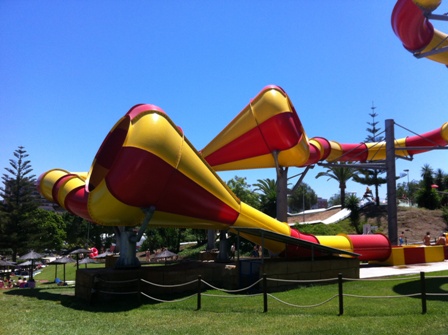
x,y
202,285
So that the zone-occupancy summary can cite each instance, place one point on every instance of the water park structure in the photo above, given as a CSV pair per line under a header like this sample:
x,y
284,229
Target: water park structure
x,y
147,171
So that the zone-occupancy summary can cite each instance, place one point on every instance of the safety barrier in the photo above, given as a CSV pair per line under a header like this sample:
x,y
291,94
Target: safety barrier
x,y
203,285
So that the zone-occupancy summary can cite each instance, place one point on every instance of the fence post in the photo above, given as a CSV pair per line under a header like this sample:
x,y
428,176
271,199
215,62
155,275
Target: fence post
x,y
139,291
199,292
265,293
423,291
341,294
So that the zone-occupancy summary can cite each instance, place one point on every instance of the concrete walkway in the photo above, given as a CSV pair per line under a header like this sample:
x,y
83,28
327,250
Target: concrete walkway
x,y
373,271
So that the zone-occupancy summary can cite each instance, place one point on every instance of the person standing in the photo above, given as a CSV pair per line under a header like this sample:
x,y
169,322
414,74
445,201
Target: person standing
x,y
401,239
427,239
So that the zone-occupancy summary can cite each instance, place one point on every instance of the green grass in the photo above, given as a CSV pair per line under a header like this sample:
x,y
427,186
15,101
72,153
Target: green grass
x,y
48,273
50,309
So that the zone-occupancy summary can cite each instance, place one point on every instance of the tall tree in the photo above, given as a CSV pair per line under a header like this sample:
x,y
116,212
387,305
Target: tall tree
x,y
353,206
341,174
241,188
19,202
83,233
426,196
47,231
371,177
302,198
268,196
441,180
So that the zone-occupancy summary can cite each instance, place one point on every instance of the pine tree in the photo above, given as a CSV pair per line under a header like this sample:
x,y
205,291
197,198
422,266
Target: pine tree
x,y
371,177
19,200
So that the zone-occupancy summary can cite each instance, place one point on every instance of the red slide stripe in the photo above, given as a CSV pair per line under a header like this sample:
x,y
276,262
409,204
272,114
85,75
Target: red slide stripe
x,y
140,178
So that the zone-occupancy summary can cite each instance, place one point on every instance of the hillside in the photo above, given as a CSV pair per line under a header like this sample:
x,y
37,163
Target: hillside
x,y
414,222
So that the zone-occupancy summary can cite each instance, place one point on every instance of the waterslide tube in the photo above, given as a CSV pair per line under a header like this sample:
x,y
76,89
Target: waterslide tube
x,y
267,121
370,247
146,161
415,31
269,124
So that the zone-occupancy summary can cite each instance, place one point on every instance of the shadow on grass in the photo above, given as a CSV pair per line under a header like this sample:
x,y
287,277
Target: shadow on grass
x,y
435,288
66,297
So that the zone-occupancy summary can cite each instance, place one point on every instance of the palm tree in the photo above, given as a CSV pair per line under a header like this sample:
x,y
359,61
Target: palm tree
x,y
427,174
341,174
353,206
426,196
370,177
268,196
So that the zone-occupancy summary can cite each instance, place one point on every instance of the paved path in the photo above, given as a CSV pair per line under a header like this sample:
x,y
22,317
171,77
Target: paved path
x,y
372,271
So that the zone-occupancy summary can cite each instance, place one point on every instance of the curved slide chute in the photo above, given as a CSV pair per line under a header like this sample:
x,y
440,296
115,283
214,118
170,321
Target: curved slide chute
x,y
411,24
269,124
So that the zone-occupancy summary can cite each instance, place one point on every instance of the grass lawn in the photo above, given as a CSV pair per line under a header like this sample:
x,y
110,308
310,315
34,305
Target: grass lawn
x,y
49,309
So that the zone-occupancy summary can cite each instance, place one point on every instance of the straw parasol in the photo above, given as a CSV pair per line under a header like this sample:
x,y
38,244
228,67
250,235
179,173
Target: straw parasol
x,y
4,263
77,252
87,260
165,254
63,261
31,256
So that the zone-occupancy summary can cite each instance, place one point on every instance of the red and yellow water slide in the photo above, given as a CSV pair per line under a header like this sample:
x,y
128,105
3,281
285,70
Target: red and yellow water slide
x,y
410,22
146,161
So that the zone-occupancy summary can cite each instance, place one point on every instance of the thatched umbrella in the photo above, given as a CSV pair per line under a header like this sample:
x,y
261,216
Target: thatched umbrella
x,y
77,252
6,264
88,260
31,256
28,263
63,261
165,254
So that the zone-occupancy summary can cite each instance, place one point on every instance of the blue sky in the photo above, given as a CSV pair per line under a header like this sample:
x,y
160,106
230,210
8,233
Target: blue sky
x,y
70,69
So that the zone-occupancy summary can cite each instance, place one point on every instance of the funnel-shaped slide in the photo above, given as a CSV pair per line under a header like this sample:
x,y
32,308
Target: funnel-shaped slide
x,y
269,124
146,161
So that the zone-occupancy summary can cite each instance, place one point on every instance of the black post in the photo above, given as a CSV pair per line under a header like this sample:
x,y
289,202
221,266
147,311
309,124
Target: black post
x,y
139,291
391,183
341,295
423,289
199,292
265,293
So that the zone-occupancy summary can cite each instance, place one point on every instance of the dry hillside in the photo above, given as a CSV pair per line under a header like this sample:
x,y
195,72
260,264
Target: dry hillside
x,y
415,222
